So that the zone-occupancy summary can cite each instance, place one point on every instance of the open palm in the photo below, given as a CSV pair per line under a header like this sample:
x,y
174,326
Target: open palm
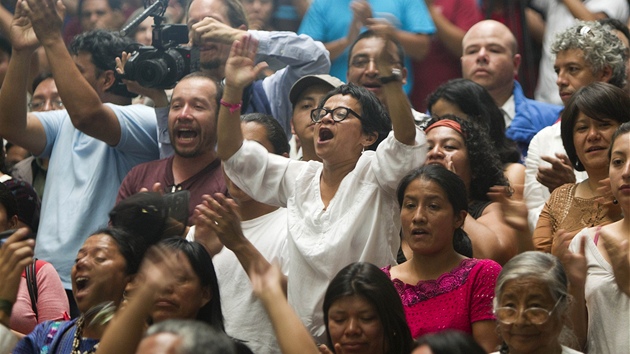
x,y
240,69
22,35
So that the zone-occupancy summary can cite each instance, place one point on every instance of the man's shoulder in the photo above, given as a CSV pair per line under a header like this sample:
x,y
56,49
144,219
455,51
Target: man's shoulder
x,y
151,167
132,110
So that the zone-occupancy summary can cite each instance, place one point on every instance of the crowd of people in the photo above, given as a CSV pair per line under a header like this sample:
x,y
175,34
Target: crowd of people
x,y
387,177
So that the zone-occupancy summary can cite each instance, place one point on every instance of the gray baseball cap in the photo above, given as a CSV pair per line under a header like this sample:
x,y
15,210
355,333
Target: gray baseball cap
x,y
309,80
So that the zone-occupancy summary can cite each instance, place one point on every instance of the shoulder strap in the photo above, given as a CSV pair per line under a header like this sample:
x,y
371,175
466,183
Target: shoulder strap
x,y
31,283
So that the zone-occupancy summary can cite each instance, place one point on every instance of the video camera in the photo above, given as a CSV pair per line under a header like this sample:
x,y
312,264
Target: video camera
x,y
166,61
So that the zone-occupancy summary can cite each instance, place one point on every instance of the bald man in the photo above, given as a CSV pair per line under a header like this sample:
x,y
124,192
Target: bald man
x,y
490,58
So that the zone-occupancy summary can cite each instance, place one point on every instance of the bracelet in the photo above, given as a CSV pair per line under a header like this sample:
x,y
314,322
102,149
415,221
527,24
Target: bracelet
x,y
6,306
233,107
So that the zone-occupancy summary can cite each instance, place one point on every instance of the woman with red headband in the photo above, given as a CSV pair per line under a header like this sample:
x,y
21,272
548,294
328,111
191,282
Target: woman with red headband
x,y
464,147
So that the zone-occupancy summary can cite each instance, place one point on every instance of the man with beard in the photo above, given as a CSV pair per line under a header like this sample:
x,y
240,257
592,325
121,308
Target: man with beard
x,y
215,24
194,167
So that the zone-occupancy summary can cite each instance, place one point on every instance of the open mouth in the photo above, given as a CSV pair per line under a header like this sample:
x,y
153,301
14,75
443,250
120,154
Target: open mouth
x,y
186,134
81,283
325,134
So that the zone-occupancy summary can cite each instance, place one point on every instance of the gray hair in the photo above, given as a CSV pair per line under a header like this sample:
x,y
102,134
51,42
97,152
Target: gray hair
x,y
196,337
547,269
600,46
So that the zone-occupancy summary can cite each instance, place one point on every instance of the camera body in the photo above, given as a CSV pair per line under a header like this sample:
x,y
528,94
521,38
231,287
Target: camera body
x,y
166,62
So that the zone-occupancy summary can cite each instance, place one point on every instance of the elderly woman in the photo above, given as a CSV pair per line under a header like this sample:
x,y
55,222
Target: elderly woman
x,y
592,115
342,209
599,265
104,265
531,303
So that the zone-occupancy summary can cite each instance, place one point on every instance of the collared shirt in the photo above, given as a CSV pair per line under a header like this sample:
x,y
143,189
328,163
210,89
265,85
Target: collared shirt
x,y
361,223
509,111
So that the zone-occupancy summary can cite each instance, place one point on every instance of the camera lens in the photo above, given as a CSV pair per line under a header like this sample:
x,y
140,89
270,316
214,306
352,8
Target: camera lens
x,y
152,72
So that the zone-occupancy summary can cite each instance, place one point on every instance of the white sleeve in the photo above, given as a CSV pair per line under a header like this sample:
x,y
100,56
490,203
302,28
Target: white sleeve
x,y
395,159
266,177
535,193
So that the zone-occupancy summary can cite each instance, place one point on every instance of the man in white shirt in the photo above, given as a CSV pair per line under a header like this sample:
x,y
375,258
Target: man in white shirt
x,y
585,53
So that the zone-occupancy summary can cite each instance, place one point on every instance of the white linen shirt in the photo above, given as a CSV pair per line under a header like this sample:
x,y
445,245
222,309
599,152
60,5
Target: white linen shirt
x,y
361,222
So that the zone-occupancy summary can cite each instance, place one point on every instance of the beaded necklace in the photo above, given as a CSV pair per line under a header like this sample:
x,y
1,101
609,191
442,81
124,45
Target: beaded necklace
x,y
76,342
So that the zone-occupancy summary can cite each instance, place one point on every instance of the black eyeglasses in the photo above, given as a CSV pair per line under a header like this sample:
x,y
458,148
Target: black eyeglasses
x,y
338,114
535,315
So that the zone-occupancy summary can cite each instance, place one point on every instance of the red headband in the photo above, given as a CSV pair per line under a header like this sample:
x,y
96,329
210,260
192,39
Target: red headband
x,y
446,123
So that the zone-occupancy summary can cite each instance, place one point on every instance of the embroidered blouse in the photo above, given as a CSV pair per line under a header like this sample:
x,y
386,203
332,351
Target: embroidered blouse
x,y
455,300
565,211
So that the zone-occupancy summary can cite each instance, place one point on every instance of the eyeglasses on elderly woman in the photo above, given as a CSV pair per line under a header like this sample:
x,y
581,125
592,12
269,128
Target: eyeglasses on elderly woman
x,y
534,315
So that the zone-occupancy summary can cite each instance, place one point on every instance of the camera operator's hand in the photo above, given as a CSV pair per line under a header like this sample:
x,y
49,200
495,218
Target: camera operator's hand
x,y
209,31
240,70
47,19
22,35
158,96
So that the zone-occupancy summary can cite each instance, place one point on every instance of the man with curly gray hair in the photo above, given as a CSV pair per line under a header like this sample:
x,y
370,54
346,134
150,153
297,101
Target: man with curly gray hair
x,y
585,53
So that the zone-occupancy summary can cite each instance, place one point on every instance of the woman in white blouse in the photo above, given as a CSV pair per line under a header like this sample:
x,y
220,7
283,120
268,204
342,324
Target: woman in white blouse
x,y
343,209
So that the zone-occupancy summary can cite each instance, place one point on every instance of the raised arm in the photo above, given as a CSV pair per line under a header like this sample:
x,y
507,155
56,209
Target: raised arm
x,y
15,254
292,336
16,125
398,105
125,331
416,45
81,99
225,221
240,71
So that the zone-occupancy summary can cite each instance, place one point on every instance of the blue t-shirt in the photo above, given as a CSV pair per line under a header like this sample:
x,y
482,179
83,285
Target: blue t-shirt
x,y
329,20
83,178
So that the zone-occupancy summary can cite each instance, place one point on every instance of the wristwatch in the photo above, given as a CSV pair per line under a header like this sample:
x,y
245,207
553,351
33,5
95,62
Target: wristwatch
x,y
395,76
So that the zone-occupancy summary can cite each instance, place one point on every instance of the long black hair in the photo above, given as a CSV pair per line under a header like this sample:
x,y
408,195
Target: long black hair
x,y
370,283
201,263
